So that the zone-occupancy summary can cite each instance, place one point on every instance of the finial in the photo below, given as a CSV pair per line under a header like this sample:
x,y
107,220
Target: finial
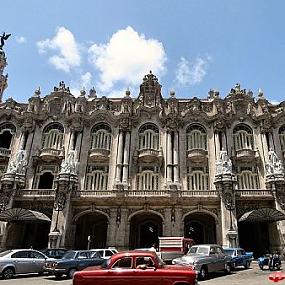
x,y
37,92
128,93
260,92
172,93
82,92
92,92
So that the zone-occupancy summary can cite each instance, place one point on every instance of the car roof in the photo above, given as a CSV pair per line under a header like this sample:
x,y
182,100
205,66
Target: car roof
x,y
134,253
233,248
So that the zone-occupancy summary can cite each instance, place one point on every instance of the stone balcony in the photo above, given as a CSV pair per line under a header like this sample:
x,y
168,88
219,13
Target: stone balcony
x,y
4,153
99,154
254,194
51,154
197,155
39,194
246,155
149,155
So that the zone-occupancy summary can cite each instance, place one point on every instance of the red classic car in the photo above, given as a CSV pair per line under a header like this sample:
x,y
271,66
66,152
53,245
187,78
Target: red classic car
x,y
136,267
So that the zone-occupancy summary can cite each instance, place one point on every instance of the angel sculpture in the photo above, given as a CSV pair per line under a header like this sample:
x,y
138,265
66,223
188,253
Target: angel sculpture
x,y
4,38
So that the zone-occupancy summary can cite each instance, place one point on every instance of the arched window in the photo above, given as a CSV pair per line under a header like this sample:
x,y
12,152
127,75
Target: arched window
x,y
196,137
282,137
149,137
7,130
101,137
148,179
53,136
247,179
46,181
197,179
97,178
243,137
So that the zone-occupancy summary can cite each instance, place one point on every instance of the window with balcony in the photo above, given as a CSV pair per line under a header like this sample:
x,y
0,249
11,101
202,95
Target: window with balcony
x,y
96,178
53,137
247,178
101,137
7,130
149,137
197,179
148,178
282,137
44,178
243,138
196,137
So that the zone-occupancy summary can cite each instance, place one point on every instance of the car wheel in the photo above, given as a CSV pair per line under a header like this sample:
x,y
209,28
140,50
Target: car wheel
x,y
228,268
247,265
278,266
71,272
233,265
203,273
8,273
58,275
261,266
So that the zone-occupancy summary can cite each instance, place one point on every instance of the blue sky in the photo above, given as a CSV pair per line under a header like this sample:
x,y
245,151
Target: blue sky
x,y
192,46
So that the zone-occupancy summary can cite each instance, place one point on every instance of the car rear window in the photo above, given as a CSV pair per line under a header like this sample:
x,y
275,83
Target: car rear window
x,y
229,251
3,253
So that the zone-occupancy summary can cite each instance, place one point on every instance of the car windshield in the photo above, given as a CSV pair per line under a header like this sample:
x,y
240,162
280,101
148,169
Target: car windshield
x,y
69,255
106,263
229,251
3,253
198,250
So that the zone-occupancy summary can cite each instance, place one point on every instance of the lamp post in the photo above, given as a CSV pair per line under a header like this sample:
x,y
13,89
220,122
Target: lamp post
x,y
59,206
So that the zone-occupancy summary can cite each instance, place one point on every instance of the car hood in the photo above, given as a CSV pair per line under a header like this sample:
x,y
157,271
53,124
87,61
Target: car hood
x,y
189,259
177,267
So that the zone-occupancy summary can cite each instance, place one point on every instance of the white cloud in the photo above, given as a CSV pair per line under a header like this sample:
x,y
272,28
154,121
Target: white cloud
x,y
126,58
274,102
64,44
191,73
84,82
20,40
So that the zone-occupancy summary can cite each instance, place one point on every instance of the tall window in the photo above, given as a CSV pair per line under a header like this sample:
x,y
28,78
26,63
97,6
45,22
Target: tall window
x,y
196,137
282,137
101,136
148,178
7,130
243,137
149,137
97,177
197,178
44,178
53,136
247,178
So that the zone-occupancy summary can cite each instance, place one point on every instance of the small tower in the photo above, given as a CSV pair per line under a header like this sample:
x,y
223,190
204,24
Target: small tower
x,y
3,78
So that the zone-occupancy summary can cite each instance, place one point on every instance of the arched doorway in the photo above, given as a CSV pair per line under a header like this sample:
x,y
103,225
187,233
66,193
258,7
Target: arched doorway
x,y
94,225
201,227
46,181
24,234
145,228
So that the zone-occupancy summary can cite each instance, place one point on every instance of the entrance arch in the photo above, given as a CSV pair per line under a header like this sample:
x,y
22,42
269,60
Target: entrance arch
x,y
201,227
24,234
145,228
94,225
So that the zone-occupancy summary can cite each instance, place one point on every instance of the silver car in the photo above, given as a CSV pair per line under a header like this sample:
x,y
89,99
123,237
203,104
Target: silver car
x,y
21,261
206,258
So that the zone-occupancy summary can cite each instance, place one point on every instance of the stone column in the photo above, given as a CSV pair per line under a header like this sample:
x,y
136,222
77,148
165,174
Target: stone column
x,y
169,157
119,158
217,144
72,144
126,158
175,158
23,140
112,228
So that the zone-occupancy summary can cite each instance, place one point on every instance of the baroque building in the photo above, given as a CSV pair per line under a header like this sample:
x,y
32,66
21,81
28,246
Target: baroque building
x,y
95,171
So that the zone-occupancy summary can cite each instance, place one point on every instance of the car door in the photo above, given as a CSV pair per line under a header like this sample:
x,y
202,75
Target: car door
x,y
146,272
240,257
22,261
38,261
212,260
220,259
122,272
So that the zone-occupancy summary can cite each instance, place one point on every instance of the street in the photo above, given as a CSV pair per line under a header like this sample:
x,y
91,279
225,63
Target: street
x,y
252,276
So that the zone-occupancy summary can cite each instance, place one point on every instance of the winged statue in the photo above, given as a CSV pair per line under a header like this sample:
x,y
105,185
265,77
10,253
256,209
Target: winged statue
x,y
4,38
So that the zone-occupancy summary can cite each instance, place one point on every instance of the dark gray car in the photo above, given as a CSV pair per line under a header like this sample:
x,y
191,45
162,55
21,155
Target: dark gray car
x,y
206,258
21,261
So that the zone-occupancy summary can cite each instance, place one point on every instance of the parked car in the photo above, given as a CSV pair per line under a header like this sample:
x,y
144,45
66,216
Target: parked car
x,y
21,261
56,253
72,261
135,267
239,257
273,261
105,252
206,258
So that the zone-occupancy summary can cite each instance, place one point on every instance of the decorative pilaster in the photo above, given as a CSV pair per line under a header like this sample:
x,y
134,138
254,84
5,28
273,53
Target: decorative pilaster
x,y
126,158
169,157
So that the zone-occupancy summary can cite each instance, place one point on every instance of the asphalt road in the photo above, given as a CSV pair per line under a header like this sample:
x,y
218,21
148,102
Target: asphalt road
x,y
252,276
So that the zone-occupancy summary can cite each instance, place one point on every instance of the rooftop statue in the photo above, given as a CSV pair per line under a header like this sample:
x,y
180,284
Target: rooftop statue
x,y
4,38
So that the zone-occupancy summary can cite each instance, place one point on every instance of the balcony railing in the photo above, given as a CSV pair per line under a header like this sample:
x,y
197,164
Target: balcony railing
x,y
200,193
254,193
5,152
35,193
49,154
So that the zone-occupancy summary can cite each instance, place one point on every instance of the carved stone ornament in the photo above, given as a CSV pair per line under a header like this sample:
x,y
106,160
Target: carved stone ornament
x,y
5,197
60,201
223,164
19,164
274,165
280,197
69,164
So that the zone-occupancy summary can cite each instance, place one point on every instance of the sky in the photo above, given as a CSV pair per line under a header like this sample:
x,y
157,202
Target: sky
x,y
191,45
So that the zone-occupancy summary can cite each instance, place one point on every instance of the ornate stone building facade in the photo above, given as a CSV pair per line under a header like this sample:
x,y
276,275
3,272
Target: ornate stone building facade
x,y
121,172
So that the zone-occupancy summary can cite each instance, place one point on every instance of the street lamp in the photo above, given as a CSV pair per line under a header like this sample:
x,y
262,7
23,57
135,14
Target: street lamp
x,y
59,206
